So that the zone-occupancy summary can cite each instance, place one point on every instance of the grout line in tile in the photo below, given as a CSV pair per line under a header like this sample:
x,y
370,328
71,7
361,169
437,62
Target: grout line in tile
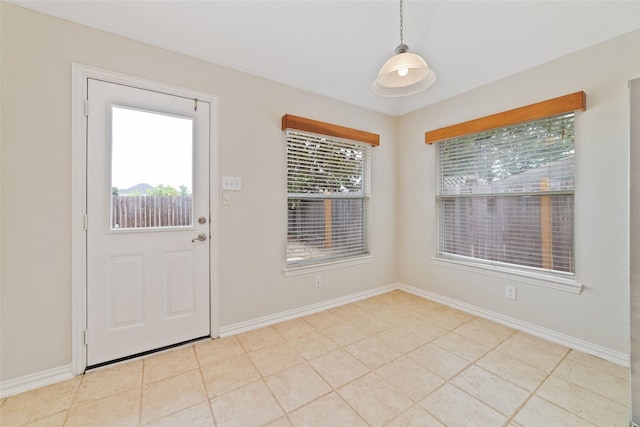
x,y
436,389
333,390
325,380
197,358
583,388
524,361
438,419
213,415
592,367
349,404
286,415
264,382
168,377
241,345
74,398
564,409
179,410
142,385
272,394
507,381
478,400
535,391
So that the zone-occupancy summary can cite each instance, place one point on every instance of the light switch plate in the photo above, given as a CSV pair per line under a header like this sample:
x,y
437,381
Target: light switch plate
x,y
232,183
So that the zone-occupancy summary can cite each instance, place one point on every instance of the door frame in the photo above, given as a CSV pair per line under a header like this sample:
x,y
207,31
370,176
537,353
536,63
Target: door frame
x,y
80,75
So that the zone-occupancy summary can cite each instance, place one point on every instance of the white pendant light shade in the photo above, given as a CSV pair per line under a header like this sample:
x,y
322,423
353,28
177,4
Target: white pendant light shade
x,y
404,74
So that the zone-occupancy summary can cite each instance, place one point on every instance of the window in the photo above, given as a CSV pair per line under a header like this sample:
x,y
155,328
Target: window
x,y
328,192
143,143
507,195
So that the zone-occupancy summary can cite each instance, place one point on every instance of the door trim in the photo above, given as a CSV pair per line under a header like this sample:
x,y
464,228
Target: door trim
x,y
80,75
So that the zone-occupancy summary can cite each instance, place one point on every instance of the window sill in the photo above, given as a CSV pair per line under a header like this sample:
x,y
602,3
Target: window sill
x,y
314,268
567,284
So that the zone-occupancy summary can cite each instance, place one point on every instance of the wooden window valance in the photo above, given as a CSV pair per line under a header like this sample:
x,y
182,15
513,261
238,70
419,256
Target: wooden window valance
x,y
551,107
300,123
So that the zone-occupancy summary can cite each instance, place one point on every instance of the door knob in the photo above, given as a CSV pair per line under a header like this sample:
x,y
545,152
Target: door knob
x,y
201,237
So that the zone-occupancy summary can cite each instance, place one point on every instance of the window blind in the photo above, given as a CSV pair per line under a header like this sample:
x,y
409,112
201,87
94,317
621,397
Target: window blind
x,y
507,195
328,191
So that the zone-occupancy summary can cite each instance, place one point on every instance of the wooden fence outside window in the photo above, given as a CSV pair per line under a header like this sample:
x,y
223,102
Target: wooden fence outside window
x,y
151,211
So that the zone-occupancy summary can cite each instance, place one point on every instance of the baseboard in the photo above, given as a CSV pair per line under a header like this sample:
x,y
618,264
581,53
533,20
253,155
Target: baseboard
x,y
51,376
548,334
36,380
249,325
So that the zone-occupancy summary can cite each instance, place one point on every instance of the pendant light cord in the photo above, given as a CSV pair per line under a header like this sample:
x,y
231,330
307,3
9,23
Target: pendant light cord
x,y
401,25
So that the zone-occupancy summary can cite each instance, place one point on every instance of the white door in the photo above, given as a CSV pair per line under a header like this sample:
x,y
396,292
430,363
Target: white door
x,y
147,221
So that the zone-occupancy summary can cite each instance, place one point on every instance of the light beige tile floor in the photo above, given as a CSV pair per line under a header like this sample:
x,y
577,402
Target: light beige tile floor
x,y
391,360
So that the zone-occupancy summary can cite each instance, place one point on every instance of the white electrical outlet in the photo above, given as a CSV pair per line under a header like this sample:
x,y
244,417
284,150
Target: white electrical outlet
x,y
511,293
318,281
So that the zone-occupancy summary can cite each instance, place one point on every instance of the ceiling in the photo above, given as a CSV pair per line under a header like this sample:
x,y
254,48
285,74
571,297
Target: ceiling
x,y
335,48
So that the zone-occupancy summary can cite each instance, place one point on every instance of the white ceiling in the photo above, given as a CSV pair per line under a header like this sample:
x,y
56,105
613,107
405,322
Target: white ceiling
x,y
335,48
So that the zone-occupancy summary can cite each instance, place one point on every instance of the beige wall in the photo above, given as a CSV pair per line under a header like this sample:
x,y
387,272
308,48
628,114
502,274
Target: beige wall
x,y
37,53
600,314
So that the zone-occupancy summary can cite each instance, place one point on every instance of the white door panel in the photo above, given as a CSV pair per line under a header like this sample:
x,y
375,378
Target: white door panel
x,y
125,292
147,274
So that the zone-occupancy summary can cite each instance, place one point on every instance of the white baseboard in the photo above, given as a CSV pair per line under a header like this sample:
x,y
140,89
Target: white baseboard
x,y
51,376
33,381
548,334
249,325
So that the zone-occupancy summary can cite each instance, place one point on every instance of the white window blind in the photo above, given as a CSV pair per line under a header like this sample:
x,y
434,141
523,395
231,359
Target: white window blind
x,y
328,191
507,195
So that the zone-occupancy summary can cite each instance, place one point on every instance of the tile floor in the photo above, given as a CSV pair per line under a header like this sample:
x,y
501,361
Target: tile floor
x,y
391,360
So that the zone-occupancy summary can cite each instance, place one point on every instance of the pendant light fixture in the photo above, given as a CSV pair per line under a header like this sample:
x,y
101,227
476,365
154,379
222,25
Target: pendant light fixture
x,y
405,73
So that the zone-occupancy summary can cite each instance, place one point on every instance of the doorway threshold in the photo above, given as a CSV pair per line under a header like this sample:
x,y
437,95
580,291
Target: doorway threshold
x,y
147,353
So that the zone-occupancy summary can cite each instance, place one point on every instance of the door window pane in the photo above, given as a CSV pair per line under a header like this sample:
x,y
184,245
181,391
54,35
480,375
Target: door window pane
x,y
151,169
